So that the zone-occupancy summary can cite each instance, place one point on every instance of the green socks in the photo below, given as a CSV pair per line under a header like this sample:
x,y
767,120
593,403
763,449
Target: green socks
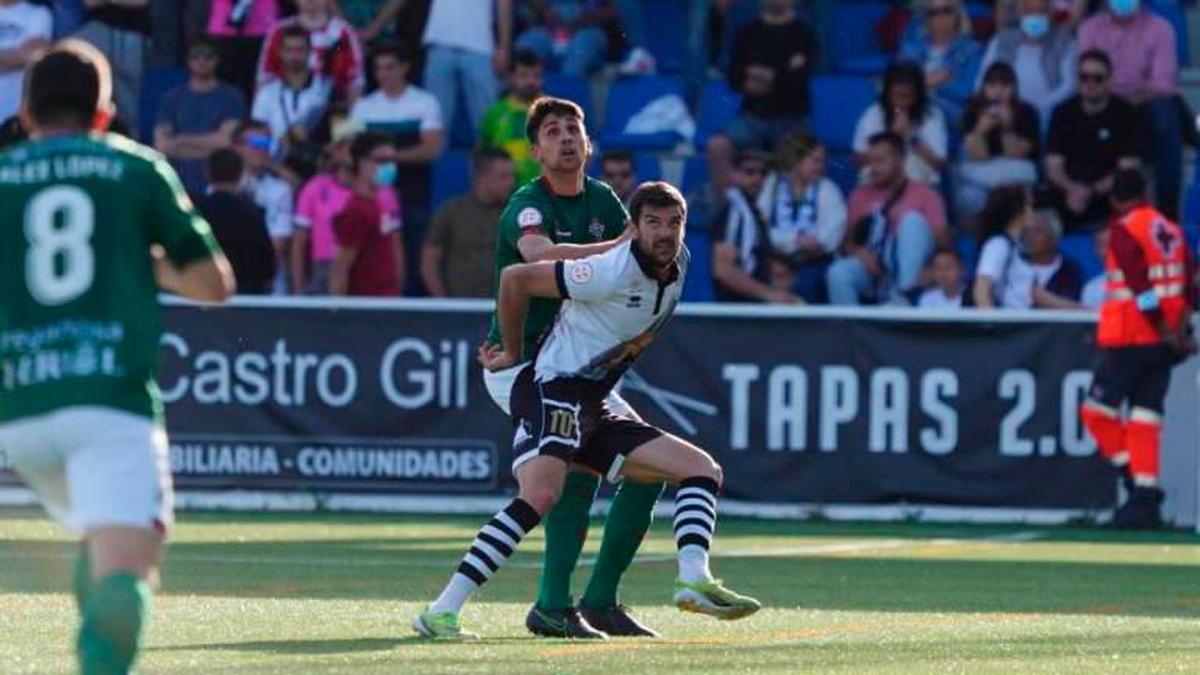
x,y
626,525
566,529
113,615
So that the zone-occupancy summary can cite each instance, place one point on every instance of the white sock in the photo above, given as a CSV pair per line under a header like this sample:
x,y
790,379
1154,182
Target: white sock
x,y
693,564
455,595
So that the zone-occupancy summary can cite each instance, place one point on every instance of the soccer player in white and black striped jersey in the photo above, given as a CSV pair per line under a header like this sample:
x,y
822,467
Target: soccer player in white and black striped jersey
x,y
617,302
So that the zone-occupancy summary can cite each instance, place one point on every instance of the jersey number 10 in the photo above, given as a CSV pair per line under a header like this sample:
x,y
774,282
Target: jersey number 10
x,y
60,265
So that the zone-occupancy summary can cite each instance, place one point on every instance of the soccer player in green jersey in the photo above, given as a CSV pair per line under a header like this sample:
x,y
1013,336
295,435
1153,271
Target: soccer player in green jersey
x,y
91,226
565,215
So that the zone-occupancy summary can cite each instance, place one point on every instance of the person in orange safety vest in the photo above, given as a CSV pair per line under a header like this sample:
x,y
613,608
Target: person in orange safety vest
x,y
1144,331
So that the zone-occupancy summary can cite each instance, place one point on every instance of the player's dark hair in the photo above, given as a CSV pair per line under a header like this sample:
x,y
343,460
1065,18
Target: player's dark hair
x,y
294,31
1129,185
547,106
483,158
1097,56
889,139
526,58
1004,204
622,156
63,87
224,166
364,144
657,194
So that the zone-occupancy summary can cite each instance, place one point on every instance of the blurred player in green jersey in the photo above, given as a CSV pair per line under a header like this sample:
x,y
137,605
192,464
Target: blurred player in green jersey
x,y
91,227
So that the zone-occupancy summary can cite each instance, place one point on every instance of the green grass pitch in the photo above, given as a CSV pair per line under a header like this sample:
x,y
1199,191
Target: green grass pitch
x,y
332,593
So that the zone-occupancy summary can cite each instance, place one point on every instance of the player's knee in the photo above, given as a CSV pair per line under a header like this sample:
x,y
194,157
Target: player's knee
x,y
542,498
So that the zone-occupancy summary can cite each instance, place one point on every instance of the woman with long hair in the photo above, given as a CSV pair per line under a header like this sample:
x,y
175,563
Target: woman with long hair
x,y
904,109
1001,141
1004,217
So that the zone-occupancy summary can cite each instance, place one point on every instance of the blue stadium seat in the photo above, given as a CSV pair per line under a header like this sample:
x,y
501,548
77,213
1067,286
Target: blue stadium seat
x,y
718,107
451,177
155,83
1079,248
854,47
1173,13
698,285
572,88
626,97
837,103
667,21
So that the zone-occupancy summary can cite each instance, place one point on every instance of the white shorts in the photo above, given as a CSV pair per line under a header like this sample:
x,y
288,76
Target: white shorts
x,y
94,467
499,386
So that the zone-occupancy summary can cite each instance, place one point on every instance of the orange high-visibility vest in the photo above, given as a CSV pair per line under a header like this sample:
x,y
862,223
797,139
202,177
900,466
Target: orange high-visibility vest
x,y
1122,321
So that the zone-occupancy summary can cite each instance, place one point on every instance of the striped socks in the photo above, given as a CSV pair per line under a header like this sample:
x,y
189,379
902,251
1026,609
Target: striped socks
x,y
695,523
493,545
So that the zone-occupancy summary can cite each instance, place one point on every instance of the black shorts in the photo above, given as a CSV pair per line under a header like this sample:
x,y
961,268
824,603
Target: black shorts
x,y
1138,375
567,418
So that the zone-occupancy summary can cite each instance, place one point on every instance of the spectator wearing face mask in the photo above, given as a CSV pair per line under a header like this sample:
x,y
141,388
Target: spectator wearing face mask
x,y
370,253
1041,53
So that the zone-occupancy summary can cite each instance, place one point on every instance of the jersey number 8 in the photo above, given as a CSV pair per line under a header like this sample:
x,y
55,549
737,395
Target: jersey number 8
x,y
60,265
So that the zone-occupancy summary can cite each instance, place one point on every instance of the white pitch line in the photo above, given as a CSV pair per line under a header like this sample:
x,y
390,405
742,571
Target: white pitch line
x,y
866,546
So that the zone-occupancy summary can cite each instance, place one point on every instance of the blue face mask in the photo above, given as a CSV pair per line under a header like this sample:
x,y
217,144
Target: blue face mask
x,y
1124,8
385,174
1035,26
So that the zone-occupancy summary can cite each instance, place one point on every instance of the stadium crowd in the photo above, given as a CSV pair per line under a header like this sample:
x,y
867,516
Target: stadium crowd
x,y
938,153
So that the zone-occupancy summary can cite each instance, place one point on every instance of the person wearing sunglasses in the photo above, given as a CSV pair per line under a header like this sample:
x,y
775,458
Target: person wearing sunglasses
x,y
198,117
1042,54
1141,45
1091,136
941,42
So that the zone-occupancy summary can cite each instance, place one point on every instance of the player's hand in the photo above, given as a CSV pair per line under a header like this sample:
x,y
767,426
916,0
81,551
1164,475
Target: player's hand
x,y
494,358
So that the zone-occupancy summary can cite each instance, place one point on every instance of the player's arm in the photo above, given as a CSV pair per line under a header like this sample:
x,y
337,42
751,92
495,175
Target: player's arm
x,y
518,284
187,259
537,247
208,279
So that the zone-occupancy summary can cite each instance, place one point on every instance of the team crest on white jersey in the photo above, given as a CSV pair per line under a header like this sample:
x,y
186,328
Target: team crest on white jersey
x,y
581,272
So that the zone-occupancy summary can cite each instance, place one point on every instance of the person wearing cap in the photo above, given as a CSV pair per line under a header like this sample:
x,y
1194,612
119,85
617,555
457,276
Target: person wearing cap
x,y
197,117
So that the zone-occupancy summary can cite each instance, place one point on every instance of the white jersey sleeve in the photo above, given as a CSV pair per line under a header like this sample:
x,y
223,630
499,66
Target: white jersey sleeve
x,y
590,279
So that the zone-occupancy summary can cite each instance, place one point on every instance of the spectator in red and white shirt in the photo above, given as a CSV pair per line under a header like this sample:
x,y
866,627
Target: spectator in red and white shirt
x,y
336,51
370,252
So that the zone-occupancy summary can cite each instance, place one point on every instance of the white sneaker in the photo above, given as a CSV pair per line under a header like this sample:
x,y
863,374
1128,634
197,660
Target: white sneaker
x,y
638,62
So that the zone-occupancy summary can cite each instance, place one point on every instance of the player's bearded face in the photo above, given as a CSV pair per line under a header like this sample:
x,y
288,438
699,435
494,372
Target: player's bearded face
x,y
562,144
659,233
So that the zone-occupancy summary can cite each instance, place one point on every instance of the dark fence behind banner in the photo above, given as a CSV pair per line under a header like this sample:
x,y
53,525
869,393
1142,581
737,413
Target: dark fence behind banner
x,y
815,408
